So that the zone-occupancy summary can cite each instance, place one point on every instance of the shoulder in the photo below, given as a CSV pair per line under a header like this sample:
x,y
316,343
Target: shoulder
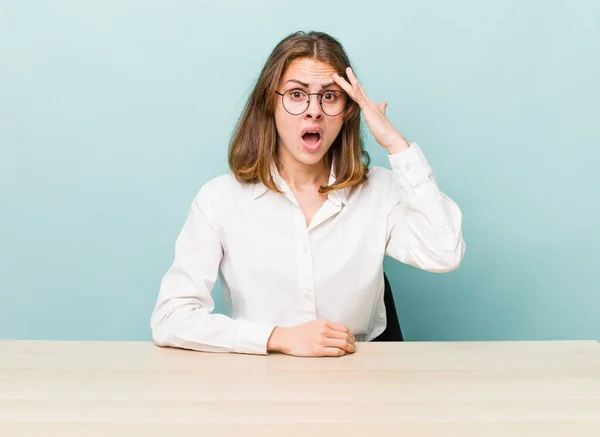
x,y
222,193
380,178
378,173
217,187
377,187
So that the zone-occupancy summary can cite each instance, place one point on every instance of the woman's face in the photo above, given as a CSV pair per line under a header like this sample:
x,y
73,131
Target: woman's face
x,y
294,144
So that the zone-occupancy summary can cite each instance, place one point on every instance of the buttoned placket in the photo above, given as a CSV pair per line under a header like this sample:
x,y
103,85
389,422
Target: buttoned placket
x,y
306,291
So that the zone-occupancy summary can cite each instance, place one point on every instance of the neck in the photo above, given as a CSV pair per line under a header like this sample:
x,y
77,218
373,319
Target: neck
x,y
299,175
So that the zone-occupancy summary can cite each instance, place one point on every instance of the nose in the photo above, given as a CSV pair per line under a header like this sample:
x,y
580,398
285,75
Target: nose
x,y
314,108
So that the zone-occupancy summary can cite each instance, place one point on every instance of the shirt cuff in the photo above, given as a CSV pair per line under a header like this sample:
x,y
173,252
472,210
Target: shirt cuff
x,y
252,338
411,165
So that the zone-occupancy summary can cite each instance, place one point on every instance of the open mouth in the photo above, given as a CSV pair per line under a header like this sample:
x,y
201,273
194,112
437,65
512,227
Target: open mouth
x,y
312,139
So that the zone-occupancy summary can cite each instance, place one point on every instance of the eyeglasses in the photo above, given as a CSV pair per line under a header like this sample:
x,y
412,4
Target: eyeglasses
x,y
296,101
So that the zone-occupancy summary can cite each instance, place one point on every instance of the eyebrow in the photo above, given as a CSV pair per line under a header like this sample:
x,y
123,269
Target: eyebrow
x,y
304,84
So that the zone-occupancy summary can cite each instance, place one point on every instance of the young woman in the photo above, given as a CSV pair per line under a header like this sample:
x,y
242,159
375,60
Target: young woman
x,y
298,231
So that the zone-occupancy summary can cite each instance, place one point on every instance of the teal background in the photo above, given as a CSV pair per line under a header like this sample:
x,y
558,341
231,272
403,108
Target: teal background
x,y
114,113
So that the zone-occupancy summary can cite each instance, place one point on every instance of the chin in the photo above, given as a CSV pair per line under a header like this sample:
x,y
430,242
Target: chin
x,y
312,157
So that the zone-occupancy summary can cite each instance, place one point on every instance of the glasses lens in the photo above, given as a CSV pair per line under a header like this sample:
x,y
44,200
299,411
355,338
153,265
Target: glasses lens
x,y
333,102
295,101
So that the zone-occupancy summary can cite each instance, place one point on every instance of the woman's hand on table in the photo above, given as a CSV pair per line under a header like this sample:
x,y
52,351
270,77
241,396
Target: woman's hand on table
x,y
319,338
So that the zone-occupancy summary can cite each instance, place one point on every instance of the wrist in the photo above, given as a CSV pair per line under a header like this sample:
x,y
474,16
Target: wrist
x,y
274,342
398,146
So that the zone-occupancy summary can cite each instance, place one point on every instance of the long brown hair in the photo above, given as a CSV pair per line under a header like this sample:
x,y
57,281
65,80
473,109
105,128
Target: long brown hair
x,y
253,147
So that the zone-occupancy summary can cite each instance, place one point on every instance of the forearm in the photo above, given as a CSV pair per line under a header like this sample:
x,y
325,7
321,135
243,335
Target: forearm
x,y
187,325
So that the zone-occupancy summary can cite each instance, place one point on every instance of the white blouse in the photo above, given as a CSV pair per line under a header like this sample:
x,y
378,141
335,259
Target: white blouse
x,y
276,270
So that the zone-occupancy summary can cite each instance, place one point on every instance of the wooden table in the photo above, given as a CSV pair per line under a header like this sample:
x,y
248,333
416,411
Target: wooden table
x,y
115,389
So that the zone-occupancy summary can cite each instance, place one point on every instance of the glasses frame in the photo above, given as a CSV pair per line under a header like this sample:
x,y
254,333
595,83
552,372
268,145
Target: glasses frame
x,y
348,101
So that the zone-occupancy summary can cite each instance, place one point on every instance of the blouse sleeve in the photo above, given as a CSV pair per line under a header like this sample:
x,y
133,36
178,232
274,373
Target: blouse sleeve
x,y
424,226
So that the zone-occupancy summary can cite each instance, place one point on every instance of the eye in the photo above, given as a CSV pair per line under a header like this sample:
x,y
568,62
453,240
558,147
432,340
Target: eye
x,y
330,96
297,95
